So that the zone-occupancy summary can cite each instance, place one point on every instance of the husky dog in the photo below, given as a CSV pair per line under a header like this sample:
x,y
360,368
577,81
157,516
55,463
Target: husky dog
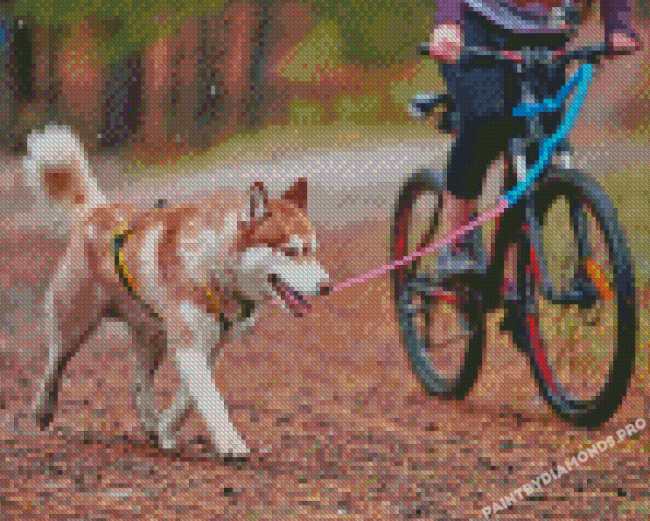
x,y
186,280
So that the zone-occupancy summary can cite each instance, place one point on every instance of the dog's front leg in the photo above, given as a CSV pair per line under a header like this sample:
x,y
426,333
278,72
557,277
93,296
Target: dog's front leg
x,y
172,418
194,364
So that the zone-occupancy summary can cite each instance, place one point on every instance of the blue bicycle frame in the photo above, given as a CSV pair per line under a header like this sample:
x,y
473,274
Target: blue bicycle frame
x,y
581,80
578,82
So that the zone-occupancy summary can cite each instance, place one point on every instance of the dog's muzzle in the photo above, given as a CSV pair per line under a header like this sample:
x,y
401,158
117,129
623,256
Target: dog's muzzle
x,y
292,298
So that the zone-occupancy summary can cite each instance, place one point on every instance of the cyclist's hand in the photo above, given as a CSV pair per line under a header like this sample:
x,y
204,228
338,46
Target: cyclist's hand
x,y
446,42
622,43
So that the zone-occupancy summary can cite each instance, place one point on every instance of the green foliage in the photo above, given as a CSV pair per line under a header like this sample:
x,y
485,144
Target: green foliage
x,y
381,31
306,112
318,54
137,17
362,110
427,77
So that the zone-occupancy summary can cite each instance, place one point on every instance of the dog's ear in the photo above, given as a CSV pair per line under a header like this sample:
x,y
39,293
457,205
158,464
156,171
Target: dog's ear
x,y
297,194
259,200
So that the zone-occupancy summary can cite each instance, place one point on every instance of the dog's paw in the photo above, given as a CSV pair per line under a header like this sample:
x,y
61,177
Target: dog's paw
x,y
21,424
166,436
42,419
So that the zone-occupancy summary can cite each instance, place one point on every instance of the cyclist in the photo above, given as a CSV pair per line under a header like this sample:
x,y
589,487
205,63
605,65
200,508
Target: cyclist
x,y
486,94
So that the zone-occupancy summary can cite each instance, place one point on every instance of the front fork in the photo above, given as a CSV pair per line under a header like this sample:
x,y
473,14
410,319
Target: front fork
x,y
527,240
533,240
518,164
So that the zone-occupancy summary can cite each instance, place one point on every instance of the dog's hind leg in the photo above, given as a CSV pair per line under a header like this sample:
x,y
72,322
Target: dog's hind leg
x,y
74,308
152,347
172,419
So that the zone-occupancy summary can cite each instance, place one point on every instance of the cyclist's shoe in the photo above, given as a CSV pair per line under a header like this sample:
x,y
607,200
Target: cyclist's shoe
x,y
583,292
463,258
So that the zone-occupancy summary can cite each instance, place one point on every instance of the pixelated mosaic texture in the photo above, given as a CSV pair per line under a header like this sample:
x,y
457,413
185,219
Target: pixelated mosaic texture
x,y
338,423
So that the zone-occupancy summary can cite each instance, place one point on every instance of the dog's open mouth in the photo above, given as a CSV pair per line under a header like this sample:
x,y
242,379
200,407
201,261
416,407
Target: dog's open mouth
x,y
294,300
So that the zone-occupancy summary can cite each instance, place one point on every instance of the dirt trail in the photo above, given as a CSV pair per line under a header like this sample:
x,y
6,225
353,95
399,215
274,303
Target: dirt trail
x,y
331,396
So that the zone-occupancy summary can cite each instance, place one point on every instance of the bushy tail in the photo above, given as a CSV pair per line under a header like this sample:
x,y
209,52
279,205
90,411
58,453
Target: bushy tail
x,y
56,163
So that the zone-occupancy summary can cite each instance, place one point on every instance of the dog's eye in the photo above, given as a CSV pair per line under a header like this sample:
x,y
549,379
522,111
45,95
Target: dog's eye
x,y
291,251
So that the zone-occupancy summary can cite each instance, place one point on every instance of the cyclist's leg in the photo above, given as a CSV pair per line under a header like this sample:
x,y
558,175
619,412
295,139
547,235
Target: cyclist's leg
x,y
484,96
469,160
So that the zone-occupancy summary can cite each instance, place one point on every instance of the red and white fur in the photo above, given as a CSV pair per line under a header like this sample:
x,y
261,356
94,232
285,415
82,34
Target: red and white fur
x,y
248,248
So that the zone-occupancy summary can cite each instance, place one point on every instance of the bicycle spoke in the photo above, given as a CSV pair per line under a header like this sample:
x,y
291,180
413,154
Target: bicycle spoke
x,y
441,327
579,313
441,324
579,340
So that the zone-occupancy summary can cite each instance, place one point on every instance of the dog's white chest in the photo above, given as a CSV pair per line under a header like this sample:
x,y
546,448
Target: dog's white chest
x,y
203,250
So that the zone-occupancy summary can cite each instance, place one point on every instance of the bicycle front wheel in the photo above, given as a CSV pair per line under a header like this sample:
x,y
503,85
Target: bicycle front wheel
x,y
443,329
579,314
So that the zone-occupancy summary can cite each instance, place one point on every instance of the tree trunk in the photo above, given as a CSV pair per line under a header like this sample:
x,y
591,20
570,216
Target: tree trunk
x,y
81,75
258,62
289,23
210,120
241,22
122,103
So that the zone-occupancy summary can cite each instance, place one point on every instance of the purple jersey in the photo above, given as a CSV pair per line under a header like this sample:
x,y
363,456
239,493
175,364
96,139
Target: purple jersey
x,y
539,16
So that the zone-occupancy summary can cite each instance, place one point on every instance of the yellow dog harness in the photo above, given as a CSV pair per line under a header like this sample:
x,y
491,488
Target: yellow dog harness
x,y
119,237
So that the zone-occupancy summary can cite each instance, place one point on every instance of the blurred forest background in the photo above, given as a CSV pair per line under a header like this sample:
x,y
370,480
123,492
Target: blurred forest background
x,y
156,81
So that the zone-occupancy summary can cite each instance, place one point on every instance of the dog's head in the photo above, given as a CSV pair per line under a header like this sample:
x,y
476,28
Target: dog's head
x,y
277,250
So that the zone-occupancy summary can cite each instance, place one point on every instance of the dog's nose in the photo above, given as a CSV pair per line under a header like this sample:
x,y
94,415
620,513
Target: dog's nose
x,y
324,289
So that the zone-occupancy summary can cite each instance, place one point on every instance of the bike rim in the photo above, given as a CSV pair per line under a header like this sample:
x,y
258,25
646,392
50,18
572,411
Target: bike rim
x,y
439,326
442,335
403,244
582,355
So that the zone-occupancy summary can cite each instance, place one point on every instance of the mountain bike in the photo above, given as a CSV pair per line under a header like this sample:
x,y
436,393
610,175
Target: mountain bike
x,y
561,266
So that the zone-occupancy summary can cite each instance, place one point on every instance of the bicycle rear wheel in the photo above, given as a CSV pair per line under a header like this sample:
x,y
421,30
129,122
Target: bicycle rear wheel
x,y
443,329
582,350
